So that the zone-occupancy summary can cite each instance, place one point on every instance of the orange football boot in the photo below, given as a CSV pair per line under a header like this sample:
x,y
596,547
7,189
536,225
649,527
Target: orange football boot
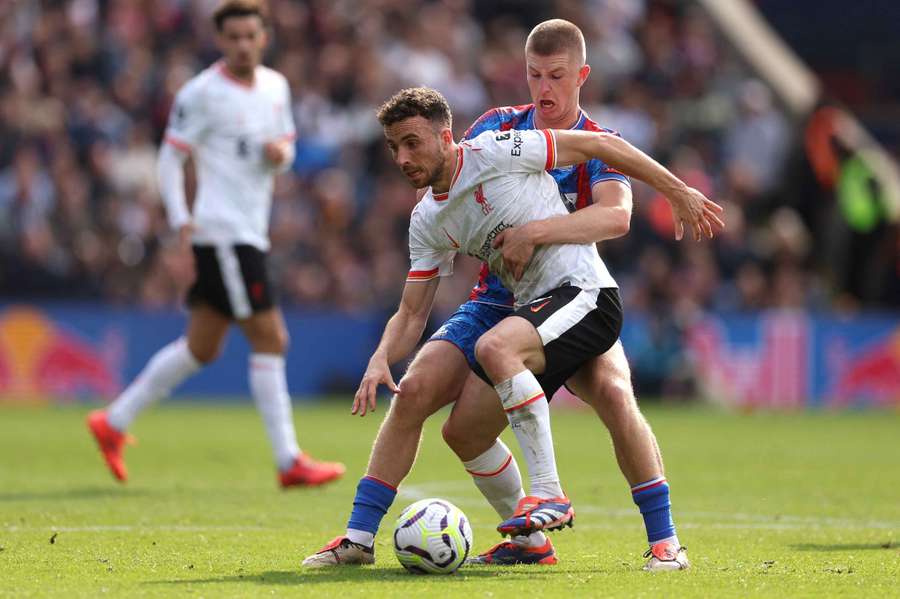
x,y
307,472
111,443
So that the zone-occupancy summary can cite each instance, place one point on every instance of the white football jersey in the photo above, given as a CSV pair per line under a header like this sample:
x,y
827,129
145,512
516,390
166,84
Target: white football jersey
x,y
224,123
501,182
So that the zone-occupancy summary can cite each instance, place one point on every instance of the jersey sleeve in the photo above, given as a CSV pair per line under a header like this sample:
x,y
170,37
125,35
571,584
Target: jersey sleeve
x,y
519,151
425,261
187,119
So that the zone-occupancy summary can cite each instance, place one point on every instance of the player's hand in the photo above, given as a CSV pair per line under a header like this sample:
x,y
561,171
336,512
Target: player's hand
x,y
693,209
517,247
376,374
275,152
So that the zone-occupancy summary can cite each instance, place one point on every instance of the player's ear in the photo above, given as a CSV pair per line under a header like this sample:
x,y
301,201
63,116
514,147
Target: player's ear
x,y
583,73
447,135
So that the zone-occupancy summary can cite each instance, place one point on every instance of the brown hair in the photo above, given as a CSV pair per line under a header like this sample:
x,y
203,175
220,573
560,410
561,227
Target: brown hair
x,y
238,8
556,36
415,101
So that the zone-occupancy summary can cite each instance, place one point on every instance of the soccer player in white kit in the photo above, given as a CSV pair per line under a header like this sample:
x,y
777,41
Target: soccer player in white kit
x,y
234,120
568,308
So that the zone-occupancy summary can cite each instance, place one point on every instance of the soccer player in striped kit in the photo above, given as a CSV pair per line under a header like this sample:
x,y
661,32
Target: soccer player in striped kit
x,y
234,119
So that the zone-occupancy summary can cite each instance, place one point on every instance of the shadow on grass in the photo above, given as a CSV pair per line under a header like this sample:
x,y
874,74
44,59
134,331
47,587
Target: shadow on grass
x,y
75,494
358,574
844,546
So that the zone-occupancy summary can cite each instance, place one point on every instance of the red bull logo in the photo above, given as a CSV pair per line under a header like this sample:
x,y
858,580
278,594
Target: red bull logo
x,y
873,374
793,361
39,359
771,373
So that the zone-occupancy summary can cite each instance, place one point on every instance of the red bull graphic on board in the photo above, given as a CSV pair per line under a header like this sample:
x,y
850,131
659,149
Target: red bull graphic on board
x,y
778,360
869,374
792,360
40,358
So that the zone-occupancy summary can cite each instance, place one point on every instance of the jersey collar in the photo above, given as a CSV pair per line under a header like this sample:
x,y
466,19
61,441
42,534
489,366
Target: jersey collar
x,y
224,72
440,197
579,122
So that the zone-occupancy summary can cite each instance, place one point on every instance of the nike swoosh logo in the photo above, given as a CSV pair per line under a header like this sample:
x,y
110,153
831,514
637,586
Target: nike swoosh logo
x,y
539,306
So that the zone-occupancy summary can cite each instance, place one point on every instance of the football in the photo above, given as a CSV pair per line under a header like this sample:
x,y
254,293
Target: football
x,y
432,536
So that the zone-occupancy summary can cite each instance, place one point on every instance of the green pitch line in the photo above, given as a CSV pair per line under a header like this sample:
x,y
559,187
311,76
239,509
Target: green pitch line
x,y
770,506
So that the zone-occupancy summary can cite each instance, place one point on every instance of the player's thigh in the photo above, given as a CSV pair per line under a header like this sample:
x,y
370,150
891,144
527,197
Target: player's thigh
x,y
476,421
206,331
512,337
265,331
433,380
605,382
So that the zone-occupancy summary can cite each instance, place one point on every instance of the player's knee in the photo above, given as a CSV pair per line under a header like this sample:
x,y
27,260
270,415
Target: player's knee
x,y
488,349
411,404
281,340
619,396
270,340
205,353
613,397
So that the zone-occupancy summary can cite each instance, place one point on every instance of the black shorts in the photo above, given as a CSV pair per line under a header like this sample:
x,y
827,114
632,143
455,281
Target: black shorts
x,y
575,326
233,279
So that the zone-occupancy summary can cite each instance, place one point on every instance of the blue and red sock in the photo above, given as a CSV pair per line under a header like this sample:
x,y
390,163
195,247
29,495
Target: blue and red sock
x,y
373,499
652,498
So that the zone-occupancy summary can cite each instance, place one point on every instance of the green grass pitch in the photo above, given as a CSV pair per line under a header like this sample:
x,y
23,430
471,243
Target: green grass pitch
x,y
802,504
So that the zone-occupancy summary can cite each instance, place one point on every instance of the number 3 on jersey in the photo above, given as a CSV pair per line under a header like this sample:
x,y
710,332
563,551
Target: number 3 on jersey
x,y
243,148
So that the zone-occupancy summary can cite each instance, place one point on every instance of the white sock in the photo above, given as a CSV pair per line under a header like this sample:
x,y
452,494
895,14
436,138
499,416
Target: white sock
x,y
496,474
361,537
268,385
529,417
166,370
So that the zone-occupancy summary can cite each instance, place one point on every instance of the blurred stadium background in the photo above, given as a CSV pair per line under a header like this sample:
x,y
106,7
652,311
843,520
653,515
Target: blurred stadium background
x,y
791,122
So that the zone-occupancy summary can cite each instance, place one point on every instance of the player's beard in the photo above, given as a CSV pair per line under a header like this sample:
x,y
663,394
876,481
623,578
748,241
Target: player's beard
x,y
437,172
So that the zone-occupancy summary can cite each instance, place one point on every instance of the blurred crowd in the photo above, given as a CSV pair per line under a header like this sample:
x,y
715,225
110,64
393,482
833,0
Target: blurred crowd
x,y
86,85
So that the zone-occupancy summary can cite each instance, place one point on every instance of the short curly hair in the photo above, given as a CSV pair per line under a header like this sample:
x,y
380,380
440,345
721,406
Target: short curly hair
x,y
415,101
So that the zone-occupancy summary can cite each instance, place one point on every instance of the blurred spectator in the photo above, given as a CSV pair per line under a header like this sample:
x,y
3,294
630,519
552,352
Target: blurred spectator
x,y
86,86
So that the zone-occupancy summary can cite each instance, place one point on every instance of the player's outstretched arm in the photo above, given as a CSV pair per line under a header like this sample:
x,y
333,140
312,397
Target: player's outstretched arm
x,y
690,207
400,336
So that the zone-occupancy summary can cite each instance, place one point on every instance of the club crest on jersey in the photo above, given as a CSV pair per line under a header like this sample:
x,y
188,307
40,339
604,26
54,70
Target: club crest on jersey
x,y
503,136
482,201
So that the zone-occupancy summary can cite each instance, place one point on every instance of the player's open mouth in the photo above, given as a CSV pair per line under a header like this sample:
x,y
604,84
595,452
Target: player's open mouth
x,y
547,104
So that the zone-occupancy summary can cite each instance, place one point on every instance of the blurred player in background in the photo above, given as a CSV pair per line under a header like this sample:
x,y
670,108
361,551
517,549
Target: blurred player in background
x,y
600,199
234,120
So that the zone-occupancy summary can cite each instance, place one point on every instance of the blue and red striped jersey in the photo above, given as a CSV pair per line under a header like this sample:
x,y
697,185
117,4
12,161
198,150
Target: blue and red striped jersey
x,y
575,182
